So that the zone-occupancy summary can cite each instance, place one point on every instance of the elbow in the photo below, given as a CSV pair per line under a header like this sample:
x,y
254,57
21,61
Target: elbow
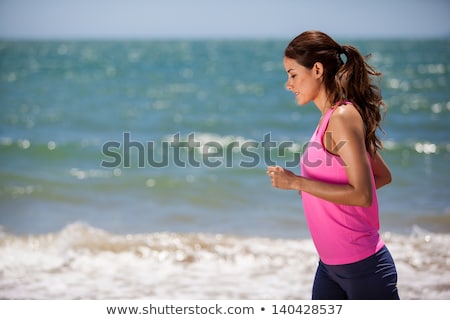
x,y
383,180
388,178
366,200
363,198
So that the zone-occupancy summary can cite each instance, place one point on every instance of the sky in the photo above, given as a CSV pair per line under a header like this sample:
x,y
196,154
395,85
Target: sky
x,y
87,19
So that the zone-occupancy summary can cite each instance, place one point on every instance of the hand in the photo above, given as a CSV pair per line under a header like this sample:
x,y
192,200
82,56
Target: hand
x,y
281,178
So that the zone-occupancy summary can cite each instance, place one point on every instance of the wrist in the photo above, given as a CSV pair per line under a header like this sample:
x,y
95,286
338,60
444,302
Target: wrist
x,y
297,183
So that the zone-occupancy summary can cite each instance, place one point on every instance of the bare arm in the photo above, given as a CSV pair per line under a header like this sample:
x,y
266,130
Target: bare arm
x,y
381,171
345,125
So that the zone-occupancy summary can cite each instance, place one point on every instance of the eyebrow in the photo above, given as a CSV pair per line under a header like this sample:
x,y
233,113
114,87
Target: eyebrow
x,y
291,69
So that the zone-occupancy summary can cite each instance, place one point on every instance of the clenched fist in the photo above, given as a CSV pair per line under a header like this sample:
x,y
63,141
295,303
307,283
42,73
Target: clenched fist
x,y
282,178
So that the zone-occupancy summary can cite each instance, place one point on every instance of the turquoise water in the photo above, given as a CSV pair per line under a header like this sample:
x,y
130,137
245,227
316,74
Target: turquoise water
x,y
63,104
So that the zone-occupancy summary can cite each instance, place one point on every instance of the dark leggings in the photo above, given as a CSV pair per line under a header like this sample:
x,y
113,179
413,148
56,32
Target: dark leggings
x,y
374,278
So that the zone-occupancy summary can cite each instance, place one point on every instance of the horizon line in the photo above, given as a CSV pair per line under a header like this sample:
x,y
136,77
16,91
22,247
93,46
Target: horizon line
x,y
210,37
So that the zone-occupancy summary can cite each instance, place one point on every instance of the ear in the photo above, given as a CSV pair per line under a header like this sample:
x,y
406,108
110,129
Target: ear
x,y
318,70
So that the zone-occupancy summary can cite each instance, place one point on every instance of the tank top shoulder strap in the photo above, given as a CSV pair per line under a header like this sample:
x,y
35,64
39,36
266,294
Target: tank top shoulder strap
x,y
324,124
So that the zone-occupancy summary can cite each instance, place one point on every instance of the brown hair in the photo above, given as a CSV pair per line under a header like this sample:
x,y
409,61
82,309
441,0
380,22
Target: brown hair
x,y
344,81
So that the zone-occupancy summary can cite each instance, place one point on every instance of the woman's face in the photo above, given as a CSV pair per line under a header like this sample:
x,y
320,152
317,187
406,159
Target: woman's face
x,y
303,82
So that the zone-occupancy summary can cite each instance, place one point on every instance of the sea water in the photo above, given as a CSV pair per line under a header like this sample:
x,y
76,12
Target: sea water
x,y
136,169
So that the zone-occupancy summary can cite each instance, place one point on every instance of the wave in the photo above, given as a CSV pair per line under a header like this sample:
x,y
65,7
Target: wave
x,y
82,262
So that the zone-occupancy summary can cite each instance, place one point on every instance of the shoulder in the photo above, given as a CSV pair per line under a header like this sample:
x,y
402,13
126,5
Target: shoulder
x,y
346,117
345,126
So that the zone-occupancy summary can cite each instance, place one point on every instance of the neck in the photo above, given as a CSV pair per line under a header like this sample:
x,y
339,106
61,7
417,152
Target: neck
x,y
323,104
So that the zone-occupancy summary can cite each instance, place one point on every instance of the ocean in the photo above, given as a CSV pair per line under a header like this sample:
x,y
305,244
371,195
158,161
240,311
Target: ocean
x,y
136,169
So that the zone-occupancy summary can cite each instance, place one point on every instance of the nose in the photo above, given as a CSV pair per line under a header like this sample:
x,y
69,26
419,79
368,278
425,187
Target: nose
x,y
288,86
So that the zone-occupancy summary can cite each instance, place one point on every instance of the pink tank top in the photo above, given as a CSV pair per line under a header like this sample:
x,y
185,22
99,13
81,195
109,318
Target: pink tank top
x,y
341,234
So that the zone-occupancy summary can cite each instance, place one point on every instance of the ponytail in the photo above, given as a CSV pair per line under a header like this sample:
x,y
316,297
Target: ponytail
x,y
354,82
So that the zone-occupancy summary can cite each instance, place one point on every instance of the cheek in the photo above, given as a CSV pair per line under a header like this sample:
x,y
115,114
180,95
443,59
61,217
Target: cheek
x,y
310,87
308,91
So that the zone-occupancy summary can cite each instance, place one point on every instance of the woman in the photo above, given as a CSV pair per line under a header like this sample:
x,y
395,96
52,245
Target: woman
x,y
341,169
